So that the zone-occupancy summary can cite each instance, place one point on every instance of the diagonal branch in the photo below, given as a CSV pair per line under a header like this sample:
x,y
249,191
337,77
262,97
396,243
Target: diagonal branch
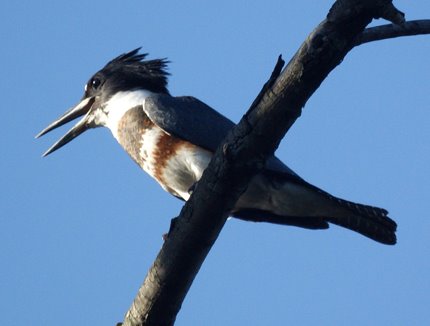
x,y
243,154
410,28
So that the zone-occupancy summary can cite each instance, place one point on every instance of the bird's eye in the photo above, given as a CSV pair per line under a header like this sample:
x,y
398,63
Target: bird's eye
x,y
95,83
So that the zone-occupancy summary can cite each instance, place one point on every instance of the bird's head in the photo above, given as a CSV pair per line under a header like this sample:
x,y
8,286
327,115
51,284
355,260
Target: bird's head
x,y
125,73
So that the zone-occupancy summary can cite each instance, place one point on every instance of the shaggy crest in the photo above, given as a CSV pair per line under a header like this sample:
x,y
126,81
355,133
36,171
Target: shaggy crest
x,y
130,70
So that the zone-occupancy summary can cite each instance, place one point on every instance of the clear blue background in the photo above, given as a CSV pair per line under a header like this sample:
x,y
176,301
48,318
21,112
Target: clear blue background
x,y
80,228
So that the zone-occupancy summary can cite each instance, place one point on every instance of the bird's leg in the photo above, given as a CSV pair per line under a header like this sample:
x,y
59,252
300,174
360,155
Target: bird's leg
x,y
172,226
192,188
173,220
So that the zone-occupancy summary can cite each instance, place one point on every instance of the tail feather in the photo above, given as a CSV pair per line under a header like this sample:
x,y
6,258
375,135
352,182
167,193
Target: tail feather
x,y
372,222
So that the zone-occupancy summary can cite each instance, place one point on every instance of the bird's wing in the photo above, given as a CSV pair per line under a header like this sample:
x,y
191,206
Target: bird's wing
x,y
192,120
188,118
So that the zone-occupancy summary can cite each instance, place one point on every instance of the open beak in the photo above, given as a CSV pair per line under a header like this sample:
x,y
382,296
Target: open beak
x,y
83,108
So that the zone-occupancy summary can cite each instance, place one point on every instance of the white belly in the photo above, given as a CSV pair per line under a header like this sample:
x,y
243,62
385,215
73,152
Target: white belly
x,y
183,170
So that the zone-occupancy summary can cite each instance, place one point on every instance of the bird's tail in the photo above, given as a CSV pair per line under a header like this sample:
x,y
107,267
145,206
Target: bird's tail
x,y
372,222
304,205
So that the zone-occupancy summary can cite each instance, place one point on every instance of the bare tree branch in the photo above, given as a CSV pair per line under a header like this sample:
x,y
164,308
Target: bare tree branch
x,y
414,27
243,154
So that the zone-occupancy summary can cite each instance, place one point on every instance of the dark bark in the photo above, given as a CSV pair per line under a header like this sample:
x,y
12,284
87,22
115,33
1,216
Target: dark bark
x,y
243,154
414,27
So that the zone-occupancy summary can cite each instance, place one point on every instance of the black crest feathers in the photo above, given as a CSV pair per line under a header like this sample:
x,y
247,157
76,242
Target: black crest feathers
x,y
131,70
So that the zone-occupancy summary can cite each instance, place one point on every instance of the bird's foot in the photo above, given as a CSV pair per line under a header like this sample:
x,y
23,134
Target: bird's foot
x,y
192,188
172,226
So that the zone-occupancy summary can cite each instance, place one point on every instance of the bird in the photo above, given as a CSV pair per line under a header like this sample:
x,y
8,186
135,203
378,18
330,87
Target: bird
x,y
173,139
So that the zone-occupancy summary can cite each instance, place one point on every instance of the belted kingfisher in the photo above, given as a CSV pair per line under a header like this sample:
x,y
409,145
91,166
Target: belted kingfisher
x,y
174,138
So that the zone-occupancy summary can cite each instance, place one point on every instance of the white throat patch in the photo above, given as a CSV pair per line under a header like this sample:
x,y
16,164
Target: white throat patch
x,y
119,104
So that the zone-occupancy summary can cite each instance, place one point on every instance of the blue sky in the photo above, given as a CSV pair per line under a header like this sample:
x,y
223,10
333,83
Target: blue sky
x,y
80,228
